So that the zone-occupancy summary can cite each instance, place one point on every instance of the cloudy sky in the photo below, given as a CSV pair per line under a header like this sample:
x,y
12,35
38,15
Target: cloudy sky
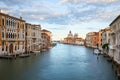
x,y
61,16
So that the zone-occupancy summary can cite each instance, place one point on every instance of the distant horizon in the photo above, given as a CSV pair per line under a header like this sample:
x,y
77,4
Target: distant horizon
x,y
61,16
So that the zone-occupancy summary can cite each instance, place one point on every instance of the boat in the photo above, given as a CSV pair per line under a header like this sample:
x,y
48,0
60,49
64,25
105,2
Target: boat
x,y
24,55
36,51
6,57
44,49
96,51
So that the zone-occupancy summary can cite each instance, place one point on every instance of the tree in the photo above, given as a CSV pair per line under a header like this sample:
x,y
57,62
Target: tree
x,y
105,47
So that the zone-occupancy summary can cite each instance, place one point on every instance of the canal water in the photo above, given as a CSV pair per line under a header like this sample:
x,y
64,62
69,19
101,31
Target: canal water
x,y
63,62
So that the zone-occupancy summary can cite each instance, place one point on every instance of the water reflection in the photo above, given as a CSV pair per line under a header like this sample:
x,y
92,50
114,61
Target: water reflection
x,y
63,62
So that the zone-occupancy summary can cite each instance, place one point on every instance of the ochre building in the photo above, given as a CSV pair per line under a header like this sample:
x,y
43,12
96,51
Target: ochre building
x,y
12,34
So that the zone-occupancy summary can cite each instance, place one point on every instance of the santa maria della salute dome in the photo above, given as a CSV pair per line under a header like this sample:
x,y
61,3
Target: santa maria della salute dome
x,y
70,35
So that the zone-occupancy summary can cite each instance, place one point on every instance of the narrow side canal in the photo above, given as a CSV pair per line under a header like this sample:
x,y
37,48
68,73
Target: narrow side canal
x,y
63,62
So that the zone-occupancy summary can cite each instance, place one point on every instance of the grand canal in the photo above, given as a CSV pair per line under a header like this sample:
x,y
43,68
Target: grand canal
x,y
63,62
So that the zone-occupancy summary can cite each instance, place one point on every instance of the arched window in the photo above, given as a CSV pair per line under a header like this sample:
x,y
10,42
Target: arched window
x,y
15,24
18,25
11,35
2,34
6,48
3,21
9,22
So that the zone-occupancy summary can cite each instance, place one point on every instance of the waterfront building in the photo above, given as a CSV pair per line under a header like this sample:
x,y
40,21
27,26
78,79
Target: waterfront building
x,y
114,52
100,39
106,36
69,39
92,39
73,39
33,37
12,35
105,39
46,39
78,40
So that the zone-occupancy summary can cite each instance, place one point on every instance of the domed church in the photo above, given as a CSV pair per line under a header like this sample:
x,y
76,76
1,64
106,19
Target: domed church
x,y
73,39
70,35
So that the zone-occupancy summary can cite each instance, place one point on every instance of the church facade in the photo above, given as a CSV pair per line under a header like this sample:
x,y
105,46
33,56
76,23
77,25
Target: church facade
x,y
73,39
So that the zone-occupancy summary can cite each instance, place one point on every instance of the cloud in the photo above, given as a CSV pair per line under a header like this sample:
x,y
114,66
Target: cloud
x,y
89,1
68,12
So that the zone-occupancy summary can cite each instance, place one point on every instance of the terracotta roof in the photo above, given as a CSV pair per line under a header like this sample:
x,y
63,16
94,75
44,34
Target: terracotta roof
x,y
46,30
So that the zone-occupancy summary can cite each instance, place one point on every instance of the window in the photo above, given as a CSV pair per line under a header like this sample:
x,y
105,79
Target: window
x,y
3,21
2,46
26,33
7,22
18,35
9,35
23,27
15,24
23,45
6,48
6,35
2,34
13,36
3,43
11,23
18,45
18,25
2,49
23,35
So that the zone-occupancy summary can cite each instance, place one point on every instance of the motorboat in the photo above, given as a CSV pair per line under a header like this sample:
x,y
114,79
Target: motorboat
x,y
96,51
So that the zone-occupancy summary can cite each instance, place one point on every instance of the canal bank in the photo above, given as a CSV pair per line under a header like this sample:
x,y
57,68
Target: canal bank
x,y
63,62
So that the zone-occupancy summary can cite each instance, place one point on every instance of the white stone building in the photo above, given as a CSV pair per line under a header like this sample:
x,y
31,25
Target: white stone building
x,y
115,40
106,36
33,37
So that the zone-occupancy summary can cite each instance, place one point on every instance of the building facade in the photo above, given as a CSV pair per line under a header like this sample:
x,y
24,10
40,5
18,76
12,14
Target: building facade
x,y
46,39
100,39
92,39
73,39
106,36
69,39
114,52
33,37
12,35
